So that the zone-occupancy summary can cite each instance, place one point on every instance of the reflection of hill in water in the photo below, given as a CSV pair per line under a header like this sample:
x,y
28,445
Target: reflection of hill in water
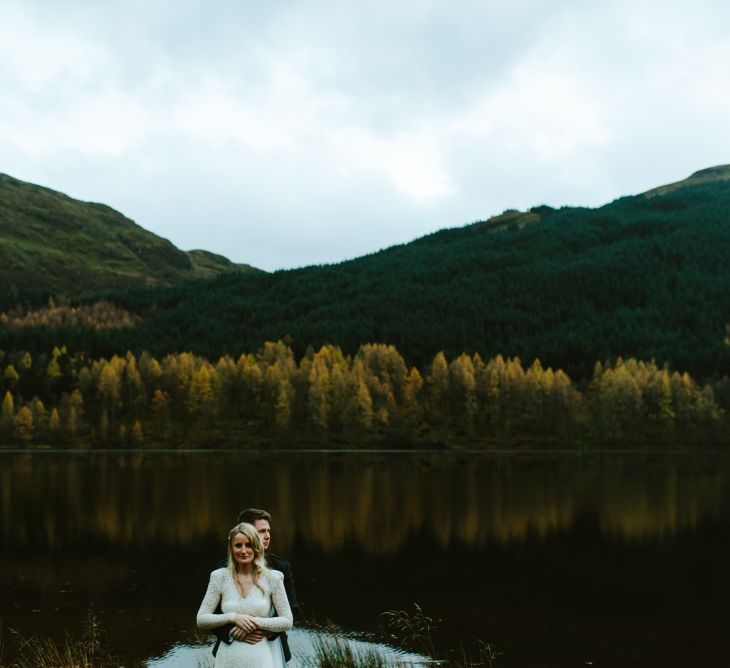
x,y
65,502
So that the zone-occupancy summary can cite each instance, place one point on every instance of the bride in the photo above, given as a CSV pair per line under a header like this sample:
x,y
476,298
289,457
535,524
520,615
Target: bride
x,y
249,594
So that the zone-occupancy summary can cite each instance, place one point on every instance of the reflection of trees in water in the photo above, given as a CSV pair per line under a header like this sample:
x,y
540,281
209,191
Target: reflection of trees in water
x,y
335,502
659,505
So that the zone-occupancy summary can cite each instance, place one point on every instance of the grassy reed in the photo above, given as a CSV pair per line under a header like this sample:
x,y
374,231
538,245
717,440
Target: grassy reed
x,y
87,651
412,629
415,629
336,652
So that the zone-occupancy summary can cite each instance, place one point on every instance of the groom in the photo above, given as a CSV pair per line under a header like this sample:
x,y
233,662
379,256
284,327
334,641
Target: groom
x,y
261,521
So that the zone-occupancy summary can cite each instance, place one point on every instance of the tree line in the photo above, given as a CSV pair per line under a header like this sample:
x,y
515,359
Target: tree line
x,y
641,277
327,397
97,316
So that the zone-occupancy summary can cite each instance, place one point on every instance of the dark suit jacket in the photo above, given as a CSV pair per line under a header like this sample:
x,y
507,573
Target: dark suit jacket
x,y
275,563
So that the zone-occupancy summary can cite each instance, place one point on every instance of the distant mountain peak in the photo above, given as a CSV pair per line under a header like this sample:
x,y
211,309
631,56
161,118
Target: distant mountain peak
x,y
50,241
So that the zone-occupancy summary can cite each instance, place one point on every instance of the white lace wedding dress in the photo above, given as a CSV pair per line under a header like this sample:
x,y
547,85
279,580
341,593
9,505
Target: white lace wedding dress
x,y
259,604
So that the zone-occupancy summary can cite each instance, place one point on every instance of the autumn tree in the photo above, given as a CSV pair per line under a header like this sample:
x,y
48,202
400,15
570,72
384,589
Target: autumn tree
x,y
53,371
160,402
620,403
23,424
159,405
135,396
357,414
11,376
413,403
137,433
283,406
363,407
438,389
8,410
54,422
251,379
462,386
104,426
200,394
72,422
40,415
226,385
110,385
319,393
149,369
386,375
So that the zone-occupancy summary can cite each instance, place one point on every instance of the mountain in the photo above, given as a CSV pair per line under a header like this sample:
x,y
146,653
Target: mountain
x,y
644,276
710,175
52,243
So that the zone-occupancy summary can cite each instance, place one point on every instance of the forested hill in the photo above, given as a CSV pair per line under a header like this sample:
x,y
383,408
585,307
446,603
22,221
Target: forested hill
x,y
644,276
52,244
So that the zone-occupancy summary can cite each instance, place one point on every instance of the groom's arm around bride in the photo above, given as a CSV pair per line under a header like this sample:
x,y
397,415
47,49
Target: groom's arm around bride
x,y
261,520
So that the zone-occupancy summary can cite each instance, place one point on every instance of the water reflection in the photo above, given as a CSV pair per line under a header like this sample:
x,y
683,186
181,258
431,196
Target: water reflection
x,y
549,556
135,501
303,643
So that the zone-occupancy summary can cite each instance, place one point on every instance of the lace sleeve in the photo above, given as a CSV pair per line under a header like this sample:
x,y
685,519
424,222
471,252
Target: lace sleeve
x,y
207,618
283,621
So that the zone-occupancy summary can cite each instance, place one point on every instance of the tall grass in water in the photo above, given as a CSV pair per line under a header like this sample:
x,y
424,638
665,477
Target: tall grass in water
x,y
486,656
88,651
336,652
414,629
409,629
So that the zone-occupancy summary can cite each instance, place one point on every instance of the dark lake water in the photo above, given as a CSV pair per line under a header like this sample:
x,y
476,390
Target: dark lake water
x,y
558,560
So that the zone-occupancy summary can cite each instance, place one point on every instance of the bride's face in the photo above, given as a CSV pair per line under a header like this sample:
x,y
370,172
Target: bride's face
x,y
241,549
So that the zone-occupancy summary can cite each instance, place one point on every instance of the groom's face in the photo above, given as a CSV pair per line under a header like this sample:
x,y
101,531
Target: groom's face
x,y
264,530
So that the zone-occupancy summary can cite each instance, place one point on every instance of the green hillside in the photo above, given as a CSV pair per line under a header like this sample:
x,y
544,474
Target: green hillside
x,y
644,276
50,243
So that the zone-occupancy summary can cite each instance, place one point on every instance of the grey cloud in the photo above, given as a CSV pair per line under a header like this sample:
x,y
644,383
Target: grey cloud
x,y
286,133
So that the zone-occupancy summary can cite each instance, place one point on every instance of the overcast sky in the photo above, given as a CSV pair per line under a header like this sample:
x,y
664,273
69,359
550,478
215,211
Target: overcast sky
x,y
287,133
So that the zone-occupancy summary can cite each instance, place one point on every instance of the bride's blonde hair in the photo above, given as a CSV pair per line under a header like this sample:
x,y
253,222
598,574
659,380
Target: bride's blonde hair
x,y
259,565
